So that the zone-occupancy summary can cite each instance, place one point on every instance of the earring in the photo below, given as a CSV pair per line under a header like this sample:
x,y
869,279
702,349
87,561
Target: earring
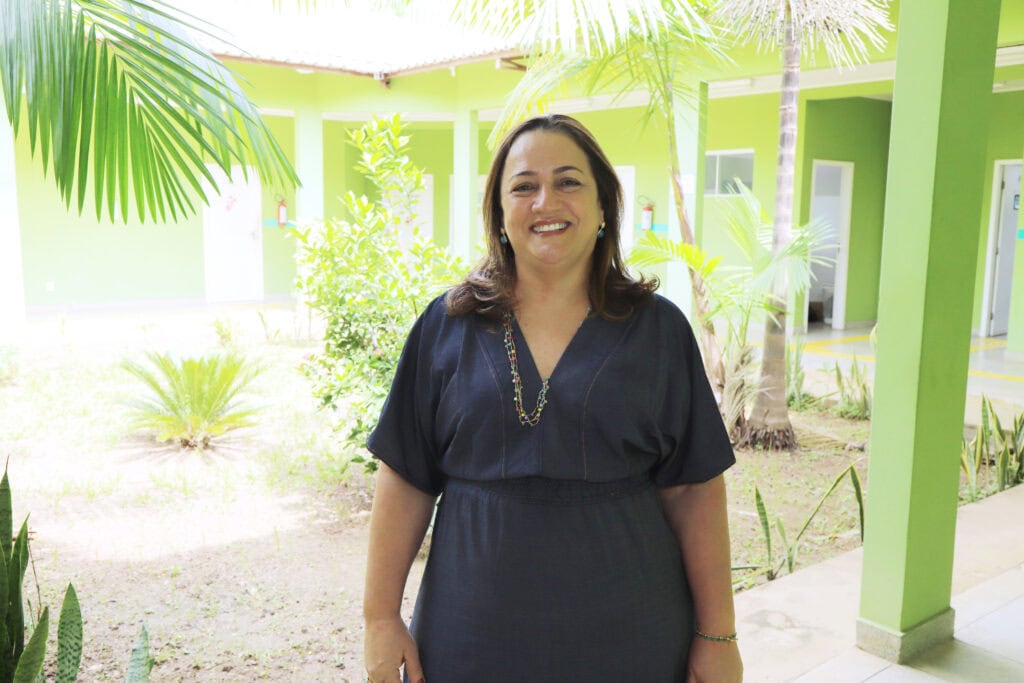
x,y
600,231
503,238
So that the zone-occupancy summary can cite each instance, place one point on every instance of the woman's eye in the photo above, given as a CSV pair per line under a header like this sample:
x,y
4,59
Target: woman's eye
x,y
570,182
522,187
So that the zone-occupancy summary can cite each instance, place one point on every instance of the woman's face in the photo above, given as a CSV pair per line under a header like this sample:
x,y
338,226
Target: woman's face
x,y
549,202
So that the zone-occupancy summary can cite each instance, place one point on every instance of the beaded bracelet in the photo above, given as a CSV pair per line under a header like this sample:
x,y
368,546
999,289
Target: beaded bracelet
x,y
731,638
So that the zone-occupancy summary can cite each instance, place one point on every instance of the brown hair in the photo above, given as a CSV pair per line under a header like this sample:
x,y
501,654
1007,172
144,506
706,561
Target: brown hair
x,y
489,288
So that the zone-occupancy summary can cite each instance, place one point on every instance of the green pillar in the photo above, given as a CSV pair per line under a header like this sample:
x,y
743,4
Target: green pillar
x,y
945,58
690,117
465,231
309,164
12,284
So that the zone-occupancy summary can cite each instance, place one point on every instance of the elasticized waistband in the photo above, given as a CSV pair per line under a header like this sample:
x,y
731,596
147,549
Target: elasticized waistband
x,y
554,491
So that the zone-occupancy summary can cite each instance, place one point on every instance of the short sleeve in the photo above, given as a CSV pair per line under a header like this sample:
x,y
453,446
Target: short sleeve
x,y
688,414
404,435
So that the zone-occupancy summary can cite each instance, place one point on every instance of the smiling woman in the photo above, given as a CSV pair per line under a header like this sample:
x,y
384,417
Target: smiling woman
x,y
562,409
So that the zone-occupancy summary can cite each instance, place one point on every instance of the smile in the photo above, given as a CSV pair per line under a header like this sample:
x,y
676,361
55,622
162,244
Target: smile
x,y
550,227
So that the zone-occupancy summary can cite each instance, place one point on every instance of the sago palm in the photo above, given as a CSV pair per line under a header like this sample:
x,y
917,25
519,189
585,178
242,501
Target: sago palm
x,y
658,46
844,28
119,95
194,400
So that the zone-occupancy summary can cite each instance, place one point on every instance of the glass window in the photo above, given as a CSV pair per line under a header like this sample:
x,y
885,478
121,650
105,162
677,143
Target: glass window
x,y
722,169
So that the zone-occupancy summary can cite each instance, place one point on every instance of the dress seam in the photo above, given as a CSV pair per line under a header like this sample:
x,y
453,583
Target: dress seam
x,y
590,388
501,397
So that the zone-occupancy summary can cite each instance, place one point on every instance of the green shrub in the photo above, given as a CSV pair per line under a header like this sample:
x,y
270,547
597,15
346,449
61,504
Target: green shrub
x,y
366,285
192,400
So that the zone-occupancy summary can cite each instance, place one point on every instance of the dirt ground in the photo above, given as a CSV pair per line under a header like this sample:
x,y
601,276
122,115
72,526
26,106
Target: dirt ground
x,y
246,562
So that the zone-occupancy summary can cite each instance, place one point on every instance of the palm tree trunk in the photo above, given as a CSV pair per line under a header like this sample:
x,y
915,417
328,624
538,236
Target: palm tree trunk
x,y
713,364
769,425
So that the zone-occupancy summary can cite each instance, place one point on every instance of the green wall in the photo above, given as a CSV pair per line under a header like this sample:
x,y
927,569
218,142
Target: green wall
x,y
741,123
74,262
1005,141
855,130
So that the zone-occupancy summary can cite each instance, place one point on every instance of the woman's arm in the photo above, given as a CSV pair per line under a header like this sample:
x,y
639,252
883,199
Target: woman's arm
x,y
401,513
697,515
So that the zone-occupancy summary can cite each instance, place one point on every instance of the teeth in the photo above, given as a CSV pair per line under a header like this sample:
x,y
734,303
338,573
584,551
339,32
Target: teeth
x,y
551,227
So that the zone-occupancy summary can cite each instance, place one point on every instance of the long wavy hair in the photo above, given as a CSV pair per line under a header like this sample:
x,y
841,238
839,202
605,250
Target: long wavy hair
x,y
489,289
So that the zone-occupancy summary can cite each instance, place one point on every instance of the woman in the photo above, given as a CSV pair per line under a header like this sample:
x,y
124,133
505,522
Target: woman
x,y
582,534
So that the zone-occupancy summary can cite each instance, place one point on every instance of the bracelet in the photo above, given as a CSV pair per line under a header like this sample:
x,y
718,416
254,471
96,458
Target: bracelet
x,y
731,638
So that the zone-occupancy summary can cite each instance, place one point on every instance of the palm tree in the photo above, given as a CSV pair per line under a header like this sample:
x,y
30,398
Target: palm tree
x,y
119,95
660,46
743,290
843,28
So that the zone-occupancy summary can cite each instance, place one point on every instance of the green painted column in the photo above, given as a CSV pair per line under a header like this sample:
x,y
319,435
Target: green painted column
x,y
465,231
309,164
12,285
944,67
690,117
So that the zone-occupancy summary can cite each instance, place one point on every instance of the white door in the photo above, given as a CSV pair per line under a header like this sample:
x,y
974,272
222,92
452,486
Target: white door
x,y
1002,276
233,238
831,201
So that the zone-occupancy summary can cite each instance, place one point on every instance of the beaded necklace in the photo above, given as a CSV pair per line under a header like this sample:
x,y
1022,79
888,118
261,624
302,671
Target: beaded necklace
x,y
533,418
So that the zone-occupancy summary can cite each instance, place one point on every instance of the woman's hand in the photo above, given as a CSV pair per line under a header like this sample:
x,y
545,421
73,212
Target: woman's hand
x,y
388,645
712,662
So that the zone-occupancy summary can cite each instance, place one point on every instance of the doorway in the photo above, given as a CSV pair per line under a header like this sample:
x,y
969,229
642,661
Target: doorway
x,y
1006,193
233,238
831,203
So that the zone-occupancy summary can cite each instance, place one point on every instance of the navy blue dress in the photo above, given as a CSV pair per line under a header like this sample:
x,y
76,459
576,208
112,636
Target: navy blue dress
x,y
551,558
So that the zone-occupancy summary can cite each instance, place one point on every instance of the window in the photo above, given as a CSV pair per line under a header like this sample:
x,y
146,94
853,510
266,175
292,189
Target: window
x,y
722,168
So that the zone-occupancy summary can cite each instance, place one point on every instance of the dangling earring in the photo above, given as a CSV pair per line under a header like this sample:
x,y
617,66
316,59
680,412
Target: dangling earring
x,y
503,238
600,231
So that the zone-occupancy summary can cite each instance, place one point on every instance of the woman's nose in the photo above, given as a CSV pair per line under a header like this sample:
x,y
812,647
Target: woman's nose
x,y
543,198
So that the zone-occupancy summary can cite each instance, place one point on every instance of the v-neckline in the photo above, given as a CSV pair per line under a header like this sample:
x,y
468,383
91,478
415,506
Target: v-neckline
x,y
527,352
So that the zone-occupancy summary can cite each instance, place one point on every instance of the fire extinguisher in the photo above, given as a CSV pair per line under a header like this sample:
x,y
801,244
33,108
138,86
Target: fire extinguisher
x,y
282,213
647,215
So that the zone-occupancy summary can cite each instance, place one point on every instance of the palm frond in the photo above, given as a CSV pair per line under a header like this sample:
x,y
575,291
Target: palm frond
x,y
845,28
587,27
651,250
122,90
667,70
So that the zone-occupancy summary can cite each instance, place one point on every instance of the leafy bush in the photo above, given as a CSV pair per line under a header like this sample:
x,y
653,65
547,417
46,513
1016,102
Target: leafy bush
x,y
193,400
369,287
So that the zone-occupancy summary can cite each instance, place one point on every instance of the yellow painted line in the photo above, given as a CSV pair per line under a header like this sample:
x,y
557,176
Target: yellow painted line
x,y
842,340
838,354
996,375
988,344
